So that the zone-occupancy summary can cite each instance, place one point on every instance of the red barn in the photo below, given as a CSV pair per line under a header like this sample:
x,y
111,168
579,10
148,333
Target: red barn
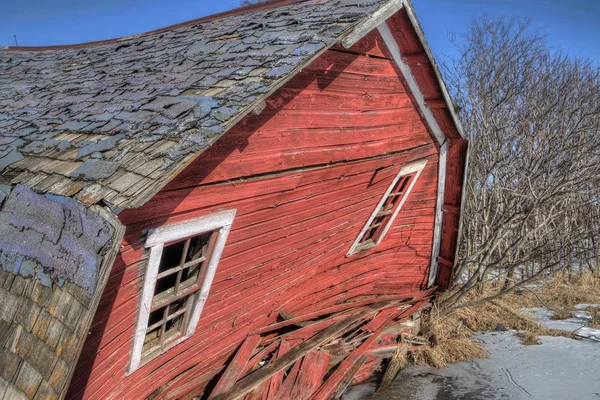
x,y
249,205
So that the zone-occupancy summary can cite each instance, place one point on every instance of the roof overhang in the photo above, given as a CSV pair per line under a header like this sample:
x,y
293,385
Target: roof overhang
x,y
378,20
450,141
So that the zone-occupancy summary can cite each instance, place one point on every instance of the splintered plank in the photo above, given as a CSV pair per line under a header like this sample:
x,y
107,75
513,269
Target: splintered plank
x,y
349,375
287,316
337,383
277,378
259,357
314,367
380,318
248,383
236,366
284,392
260,393
341,376
341,307
308,331
397,362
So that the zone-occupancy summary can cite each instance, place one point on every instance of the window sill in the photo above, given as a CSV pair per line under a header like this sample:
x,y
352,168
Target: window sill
x,y
155,353
362,249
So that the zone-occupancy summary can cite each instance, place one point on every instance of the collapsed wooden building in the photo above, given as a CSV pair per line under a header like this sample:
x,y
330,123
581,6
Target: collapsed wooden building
x,y
254,204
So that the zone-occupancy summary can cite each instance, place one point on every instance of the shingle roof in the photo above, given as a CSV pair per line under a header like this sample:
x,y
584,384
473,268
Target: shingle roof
x,y
117,121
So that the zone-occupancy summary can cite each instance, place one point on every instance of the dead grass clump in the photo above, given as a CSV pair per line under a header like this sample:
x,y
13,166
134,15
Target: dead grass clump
x,y
562,291
595,313
450,333
528,338
560,315
466,321
486,317
449,352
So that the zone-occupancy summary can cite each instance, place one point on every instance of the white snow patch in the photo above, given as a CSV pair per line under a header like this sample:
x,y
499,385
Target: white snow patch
x,y
544,316
583,315
589,333
583,306
576,324
559,368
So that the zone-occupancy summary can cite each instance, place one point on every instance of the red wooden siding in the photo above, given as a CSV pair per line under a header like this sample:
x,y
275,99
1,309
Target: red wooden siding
x,y
414,54
342,107
302,176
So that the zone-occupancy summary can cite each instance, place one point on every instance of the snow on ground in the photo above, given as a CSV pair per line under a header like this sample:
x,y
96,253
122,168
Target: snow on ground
x,y
558,369
575,324
586,305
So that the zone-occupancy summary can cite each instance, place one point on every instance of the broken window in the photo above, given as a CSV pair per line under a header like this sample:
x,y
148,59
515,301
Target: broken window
x,y
388,208
181,266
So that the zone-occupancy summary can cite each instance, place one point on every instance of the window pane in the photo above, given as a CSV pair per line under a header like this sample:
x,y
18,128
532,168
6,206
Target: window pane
x,y
156,316
161,329
388,205
368,236
190,275
177,305
401,185
198,246
174,328
151,340
164,284
171,256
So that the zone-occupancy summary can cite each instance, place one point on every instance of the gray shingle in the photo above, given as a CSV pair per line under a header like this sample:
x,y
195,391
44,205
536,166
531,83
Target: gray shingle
x,y
102,145
166,84
95,170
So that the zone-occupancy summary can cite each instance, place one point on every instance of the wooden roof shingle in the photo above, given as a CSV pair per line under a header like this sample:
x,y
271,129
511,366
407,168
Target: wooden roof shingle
x,y
116,121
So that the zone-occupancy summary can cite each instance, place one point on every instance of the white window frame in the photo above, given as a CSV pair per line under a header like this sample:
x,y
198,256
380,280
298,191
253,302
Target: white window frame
x,y
221,222
412,168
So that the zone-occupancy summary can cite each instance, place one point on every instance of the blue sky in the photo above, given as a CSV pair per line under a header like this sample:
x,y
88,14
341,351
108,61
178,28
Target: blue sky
x,y
572,26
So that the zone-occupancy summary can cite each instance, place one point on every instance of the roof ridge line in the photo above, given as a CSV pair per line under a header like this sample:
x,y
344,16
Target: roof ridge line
x,y
269,4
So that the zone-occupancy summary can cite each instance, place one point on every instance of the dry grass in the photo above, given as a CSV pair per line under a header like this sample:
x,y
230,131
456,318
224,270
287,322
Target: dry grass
x,y
465,322
595,314
528,338
451,333
563,291
560,315
449,352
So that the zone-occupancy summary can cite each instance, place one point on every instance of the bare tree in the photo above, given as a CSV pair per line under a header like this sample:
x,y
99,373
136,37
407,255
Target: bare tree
x,y
533,120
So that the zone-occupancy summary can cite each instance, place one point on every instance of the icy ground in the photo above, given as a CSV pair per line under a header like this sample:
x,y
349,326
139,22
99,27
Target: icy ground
x,y
576,324
559,368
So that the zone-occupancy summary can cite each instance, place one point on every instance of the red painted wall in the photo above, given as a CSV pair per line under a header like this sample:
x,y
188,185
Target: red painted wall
x,y
412,48
301,176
